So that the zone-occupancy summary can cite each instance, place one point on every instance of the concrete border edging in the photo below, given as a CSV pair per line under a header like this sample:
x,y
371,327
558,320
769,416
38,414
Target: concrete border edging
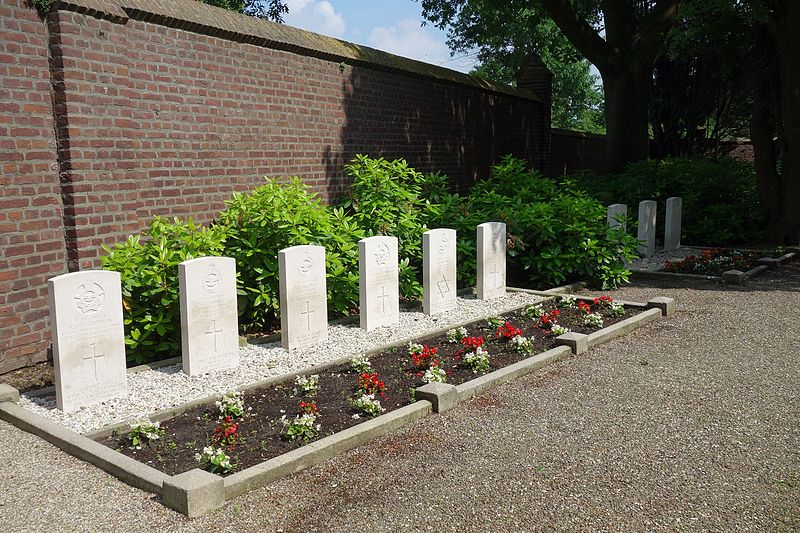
x,y
623,327
318,451
117,464
194,494
475,386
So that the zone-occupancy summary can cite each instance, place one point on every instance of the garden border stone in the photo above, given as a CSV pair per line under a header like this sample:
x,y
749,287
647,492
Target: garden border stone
x,y
667,305
117,464
315,452
443,396
193,493
623,327
8,393
475,386
577,342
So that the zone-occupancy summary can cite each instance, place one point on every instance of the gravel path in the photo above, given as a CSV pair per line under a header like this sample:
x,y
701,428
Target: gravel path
x,y
692,423
168,386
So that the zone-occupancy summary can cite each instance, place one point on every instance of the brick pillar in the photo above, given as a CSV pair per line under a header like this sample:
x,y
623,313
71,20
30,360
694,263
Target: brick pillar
x,y
534,75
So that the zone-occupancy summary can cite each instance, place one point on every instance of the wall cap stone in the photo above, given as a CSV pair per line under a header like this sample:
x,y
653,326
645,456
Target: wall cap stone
x,y
209,20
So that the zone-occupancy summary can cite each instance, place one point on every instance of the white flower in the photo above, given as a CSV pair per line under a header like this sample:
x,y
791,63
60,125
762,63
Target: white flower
x,y
593,319
413,347
455,335
435,375
557,330
534,311
568,301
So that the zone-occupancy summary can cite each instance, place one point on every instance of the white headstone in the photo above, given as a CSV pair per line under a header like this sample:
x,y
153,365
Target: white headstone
x,y
614,211
491,260
438,270
647,227
209,316
88,338
379,282
672,224
304,296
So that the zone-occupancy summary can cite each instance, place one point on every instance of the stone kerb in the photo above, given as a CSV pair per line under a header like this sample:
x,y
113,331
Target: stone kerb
x,y
88,338
647,227
491,257
379,282
303,296
438,270
672,224
209,316
615,211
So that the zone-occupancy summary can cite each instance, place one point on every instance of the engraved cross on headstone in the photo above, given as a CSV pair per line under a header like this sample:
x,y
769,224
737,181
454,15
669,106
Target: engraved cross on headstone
x,y
383,296
214,331
94,357
308,312
494,274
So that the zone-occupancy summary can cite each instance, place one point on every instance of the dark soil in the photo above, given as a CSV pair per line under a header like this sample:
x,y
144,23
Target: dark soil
x,y
260,429
30,378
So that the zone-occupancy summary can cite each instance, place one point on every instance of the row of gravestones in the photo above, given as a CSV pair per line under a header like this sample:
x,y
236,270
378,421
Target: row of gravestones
x,y
647,224
87,324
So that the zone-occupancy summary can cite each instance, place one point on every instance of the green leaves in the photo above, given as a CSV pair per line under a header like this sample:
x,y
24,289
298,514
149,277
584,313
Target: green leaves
x,y
148,267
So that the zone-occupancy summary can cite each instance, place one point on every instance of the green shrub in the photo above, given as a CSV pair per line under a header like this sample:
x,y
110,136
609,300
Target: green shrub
x,y
720,203
148,266
556,232
278,215
385,199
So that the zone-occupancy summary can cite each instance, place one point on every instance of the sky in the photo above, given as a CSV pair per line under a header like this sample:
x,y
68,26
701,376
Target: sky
x,y
391,25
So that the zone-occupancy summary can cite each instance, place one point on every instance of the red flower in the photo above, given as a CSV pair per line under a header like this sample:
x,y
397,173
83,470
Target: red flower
x,y
508,331
226,433
423,359
602,301
471,344
371,384
583,307
309,408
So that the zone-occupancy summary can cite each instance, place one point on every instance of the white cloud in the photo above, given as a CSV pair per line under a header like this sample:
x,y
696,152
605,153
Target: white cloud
x,y
316,16
408,39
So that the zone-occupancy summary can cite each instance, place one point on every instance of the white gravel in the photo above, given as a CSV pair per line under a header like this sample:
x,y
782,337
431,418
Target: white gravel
x,y
166,387
656,261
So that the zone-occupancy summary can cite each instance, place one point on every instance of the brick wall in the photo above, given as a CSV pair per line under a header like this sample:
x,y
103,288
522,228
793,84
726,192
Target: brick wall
x,y
165,107
572,151
31,238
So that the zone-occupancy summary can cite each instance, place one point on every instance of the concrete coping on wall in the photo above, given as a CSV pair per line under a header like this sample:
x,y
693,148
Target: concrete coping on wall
x,y
226,24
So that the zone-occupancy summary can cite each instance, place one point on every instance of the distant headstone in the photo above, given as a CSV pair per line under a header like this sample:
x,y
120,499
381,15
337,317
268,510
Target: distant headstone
x,y
647,227
491,260
304,296
88,338
209,316
614,212
672,224
438,270
379,282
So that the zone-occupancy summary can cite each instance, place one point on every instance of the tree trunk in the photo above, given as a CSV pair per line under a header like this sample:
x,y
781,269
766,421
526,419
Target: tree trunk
x,y
788,230
626,96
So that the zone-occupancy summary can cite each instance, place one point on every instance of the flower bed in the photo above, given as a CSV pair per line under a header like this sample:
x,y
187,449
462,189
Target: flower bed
x,y
713,262
242,430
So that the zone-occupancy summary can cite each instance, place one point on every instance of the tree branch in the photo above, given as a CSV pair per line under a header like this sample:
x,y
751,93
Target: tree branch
x,y
578,31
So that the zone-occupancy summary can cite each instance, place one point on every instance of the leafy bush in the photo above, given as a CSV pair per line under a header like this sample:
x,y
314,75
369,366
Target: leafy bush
x,y
385,199
275,216
148,266
556,232
720,203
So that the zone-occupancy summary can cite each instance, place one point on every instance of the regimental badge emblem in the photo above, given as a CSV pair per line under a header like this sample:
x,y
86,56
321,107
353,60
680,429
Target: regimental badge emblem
x,y
212,280
443,245
306,265
89,298
382,255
